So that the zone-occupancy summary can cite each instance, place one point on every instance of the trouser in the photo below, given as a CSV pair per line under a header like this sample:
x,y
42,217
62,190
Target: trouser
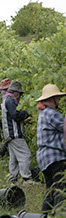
x,y
20,158
53,177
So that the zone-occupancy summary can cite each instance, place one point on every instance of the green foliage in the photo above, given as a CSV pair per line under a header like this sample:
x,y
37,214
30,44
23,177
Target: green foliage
x,y
37,20
34,65
2,24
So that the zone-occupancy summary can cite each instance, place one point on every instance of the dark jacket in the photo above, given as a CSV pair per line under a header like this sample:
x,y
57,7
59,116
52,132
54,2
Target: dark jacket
x,y
12,119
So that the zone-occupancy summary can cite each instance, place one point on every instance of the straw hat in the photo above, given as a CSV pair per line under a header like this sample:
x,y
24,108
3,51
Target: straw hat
x,y
50,90
5,83
16,87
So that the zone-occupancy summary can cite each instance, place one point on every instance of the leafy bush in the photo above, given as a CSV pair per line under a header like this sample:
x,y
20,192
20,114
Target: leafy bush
x,y
37,20
34,65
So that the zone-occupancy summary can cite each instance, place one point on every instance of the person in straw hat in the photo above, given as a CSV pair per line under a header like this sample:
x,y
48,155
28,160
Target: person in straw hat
x,y
13,129
5,83
51,156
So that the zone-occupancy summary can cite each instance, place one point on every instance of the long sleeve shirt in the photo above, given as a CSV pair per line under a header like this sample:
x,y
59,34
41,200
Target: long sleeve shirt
x,y
12,119
50,138
65,133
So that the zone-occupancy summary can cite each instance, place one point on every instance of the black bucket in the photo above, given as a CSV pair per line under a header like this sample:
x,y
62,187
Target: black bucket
x,y
12,196
6,216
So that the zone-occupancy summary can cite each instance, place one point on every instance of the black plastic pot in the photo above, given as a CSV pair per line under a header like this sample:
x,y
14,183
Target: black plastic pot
x,y
12,196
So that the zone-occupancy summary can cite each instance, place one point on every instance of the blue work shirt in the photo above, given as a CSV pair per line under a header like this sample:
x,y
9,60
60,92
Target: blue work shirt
x,y
50,137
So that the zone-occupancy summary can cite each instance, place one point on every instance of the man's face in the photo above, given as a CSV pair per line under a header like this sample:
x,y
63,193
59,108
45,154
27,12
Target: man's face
x,y
57,99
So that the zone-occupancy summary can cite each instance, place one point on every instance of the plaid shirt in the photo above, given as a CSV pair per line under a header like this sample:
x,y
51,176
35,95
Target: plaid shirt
x,y
65,133
50,138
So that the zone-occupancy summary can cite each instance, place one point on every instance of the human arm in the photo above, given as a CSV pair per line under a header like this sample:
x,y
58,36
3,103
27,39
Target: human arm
x,y
64,133
57,120
15,114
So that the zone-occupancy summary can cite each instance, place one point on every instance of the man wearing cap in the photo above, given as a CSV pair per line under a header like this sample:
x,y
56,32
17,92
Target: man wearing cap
x,y
51,156
13,129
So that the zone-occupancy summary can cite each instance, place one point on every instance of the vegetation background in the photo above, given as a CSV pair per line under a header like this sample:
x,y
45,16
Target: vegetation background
x,y
33,51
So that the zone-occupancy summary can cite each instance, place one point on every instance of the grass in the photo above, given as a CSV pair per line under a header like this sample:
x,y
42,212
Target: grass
x,y
33,193
34,196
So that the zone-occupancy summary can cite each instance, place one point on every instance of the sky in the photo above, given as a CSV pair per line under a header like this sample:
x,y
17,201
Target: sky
x,y
10,8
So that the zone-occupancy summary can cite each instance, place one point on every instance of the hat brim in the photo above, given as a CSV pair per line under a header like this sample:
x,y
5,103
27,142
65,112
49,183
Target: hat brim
x,y
46,97
15,90
4,87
